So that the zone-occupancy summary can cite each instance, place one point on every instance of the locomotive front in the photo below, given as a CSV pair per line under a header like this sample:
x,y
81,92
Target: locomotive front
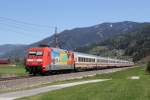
x,y
37,60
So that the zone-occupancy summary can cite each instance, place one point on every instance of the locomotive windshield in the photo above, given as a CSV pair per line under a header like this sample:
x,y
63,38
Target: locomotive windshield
x,y
36,53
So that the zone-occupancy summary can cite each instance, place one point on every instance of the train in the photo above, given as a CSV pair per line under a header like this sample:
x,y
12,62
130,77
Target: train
x,y
40,60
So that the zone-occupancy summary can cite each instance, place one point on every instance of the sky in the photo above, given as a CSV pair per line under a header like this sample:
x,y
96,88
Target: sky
x,y
28,21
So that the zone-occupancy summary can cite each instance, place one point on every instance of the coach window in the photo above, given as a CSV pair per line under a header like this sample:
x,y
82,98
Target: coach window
x,y
83,59
80,59
87,59
97,60
90,60
93,60
104,61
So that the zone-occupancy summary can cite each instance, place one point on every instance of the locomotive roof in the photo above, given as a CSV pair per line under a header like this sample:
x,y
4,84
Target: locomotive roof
x,y
88,55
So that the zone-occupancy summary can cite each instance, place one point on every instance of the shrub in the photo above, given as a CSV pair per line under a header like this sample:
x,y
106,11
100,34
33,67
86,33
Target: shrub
x,y
148,67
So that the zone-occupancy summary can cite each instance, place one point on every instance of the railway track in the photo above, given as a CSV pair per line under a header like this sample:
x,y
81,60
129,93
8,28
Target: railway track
x,y
31,76
30,81
14,78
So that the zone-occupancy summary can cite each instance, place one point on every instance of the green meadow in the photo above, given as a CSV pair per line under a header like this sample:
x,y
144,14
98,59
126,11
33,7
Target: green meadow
x,y
121,87
17,69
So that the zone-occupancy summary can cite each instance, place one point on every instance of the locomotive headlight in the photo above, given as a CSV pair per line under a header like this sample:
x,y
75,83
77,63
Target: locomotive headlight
x,y
29,60
39,60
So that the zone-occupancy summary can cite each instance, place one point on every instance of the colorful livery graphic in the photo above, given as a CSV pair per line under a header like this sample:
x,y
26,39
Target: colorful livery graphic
x,y
44,59
61,59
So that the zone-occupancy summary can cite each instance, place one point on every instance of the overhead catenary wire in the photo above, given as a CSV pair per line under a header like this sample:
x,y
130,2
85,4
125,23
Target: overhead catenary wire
x,y
23,22
18,27
17,32
23,27
14,26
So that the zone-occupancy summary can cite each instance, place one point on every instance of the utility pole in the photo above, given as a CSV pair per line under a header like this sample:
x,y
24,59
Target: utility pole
x,y
56,38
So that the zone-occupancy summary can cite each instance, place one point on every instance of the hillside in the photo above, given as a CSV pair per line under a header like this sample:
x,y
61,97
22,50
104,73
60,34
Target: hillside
x,y
134,44
71,39
9,47
80,37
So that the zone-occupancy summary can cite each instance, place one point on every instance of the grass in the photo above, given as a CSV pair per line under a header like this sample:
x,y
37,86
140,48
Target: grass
x,y
119,88
15,70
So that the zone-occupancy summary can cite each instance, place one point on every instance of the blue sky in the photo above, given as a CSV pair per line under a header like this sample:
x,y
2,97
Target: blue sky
x,y
18,16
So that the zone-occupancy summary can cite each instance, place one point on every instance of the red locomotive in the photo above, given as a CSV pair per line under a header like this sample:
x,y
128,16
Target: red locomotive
x,y
43,59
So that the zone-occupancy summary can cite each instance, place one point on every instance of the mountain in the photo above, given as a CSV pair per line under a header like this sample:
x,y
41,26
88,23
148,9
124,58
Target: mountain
x,y
9,47
133,44
80,37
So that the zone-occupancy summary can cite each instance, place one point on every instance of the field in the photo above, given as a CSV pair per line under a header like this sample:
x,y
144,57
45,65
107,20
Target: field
x,y
121,87
18,69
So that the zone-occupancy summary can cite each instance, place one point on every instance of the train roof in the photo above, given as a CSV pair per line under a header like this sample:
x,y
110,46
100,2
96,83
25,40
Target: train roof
x,y
84,54
100,57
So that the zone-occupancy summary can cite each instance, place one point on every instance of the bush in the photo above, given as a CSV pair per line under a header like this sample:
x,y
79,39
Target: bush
x,y
148,67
